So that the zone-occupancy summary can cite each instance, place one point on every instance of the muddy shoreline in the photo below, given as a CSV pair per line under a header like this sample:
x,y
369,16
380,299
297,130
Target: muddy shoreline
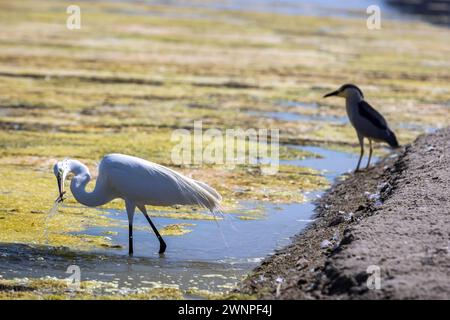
x,y
394,216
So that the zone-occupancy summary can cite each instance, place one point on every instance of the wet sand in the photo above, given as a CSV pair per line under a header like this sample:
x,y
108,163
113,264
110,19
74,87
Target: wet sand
x,y
394,216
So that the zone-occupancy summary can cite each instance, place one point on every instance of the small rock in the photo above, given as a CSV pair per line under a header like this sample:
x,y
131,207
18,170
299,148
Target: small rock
x,y
302,263
335,221
325,244
349,216
336,236
374,196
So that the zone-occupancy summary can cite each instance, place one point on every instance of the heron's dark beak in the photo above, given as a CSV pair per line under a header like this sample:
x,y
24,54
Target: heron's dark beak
x,y
60,188
334,93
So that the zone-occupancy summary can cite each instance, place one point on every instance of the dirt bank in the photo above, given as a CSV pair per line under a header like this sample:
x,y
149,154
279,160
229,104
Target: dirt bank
x,y
395,216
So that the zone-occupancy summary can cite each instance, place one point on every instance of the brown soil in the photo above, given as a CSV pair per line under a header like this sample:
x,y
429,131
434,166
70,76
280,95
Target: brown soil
x,y
396,216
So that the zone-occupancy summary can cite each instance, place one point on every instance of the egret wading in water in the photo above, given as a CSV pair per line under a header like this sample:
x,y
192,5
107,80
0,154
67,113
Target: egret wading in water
x,y
138,182
367,121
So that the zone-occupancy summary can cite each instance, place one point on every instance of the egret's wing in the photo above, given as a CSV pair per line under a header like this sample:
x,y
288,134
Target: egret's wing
x,y
196,192
144,179
366,111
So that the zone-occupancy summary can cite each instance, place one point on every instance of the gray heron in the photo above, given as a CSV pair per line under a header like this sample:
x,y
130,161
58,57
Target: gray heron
x,y
367,122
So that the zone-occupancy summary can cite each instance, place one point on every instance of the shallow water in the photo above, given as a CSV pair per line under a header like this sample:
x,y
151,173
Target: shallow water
x,y
352,8
198,260
293,116
298,116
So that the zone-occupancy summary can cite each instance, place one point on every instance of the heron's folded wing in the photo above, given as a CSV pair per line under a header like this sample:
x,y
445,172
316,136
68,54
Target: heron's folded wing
x,y
366,111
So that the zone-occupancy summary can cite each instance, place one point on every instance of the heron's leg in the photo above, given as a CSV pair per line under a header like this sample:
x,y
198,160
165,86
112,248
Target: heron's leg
x,y
361,143
130,211
162,244
370,153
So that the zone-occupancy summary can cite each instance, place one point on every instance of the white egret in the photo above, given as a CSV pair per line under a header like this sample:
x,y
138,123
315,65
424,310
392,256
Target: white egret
x,y
138,182
367,121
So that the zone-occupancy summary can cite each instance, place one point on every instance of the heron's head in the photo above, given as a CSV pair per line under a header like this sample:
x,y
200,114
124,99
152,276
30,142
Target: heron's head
x,y
345,91
61,169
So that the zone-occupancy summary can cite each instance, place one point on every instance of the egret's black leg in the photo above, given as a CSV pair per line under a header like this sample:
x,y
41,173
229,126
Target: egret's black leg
x,y
162,244
361,143
370,154
131,207
130,239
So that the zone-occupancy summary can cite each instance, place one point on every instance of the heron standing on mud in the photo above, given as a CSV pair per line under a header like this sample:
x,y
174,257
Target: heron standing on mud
x,y
367,121
138,182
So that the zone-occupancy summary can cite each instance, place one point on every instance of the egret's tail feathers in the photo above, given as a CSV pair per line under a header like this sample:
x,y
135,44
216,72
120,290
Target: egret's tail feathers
x,y
392,139
194,192
200,193
212,191
207,197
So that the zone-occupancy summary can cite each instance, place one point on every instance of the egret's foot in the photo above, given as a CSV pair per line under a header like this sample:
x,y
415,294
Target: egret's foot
x,y
60,198
162,248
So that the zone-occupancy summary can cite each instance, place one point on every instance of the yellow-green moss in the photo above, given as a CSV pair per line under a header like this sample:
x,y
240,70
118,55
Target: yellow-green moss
x,y
58,289
176,229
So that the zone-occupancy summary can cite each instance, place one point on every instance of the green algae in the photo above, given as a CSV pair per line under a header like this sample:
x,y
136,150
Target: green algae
x,y
61,289
177,229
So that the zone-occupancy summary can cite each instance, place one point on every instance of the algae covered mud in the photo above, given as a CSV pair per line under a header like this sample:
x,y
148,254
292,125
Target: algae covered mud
x,y
135,72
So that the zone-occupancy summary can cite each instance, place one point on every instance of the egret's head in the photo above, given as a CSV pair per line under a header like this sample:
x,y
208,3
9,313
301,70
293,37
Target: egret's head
x,y
345,90
61,169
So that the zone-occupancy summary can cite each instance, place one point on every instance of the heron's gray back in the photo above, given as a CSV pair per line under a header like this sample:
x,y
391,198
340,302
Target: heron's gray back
x,y
367,121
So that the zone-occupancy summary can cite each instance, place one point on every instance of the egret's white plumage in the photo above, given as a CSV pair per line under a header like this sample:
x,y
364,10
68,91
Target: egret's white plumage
x,y
138,182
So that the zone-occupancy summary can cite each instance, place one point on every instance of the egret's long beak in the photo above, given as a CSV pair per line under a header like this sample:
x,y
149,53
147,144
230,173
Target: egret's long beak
x,y
60,178
334,93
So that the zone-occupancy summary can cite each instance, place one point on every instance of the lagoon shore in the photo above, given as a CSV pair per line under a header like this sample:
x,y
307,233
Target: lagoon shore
x,y
393,217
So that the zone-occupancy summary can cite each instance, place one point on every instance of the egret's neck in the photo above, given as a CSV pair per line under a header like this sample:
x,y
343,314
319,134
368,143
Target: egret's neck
x,y
82,177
